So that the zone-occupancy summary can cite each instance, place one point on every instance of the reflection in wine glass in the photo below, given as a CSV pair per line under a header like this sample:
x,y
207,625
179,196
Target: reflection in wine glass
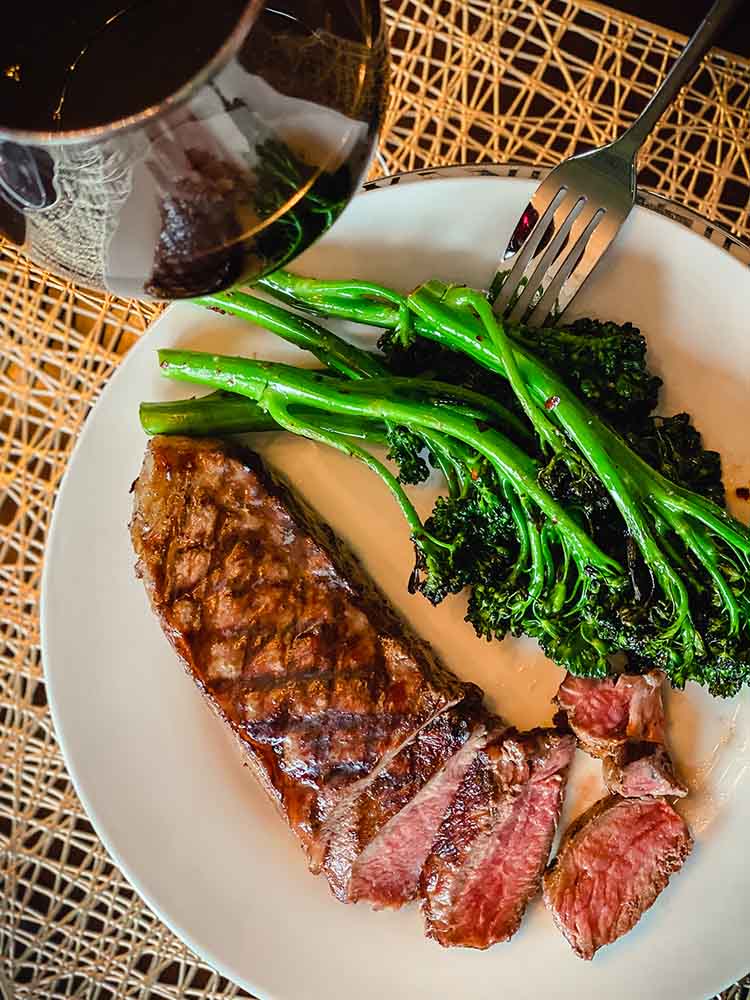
x,y
234,176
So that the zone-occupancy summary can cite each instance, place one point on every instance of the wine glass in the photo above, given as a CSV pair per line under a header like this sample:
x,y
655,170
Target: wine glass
x,y
227,178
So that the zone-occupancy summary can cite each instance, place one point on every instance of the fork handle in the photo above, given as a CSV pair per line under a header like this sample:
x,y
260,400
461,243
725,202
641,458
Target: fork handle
x,y
682,71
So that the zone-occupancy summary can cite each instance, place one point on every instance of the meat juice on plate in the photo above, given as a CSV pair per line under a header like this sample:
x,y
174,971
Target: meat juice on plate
x,y
711,751
253,127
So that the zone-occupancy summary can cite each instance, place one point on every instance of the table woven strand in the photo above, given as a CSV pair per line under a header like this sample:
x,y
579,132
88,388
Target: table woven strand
x,y
474,80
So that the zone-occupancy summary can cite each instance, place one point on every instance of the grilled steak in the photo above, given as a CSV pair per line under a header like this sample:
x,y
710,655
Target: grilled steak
x,y
494,843
394,778
318,678
379,845
639,769
613,863
605,713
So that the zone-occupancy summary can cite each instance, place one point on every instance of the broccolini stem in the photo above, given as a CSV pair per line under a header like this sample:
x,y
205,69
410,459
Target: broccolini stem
x,y
333,351
217,413
446,394
448,468
521,526
361,301
537,572
277,408
463,297
549,563
228,413
674,498
703,548
255,378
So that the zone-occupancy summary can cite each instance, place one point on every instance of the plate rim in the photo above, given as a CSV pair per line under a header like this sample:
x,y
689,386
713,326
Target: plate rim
x,y
659,205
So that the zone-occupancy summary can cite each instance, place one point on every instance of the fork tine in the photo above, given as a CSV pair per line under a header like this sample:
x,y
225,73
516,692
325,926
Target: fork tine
x,y
563,263
565,222
575,269
544,203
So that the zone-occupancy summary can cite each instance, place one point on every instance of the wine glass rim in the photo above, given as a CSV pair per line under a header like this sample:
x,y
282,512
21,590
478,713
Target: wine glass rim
x,y
98,133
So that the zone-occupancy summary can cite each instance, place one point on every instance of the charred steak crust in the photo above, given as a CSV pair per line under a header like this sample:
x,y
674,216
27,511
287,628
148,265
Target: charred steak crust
x,y
492,848
613,862
297,651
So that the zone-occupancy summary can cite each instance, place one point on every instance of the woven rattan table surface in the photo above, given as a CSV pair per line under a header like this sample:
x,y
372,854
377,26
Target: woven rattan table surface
x,y
474,80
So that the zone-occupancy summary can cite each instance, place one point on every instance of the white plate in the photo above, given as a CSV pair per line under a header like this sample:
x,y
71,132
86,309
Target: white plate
x,y
162,781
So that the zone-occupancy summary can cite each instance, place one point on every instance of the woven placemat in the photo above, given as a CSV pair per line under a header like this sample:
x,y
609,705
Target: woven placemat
x,y
474,80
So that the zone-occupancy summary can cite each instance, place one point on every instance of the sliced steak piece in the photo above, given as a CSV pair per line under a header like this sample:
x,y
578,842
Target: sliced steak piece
x,y
612,864
396,820
640,769
605,713
494,843
319,679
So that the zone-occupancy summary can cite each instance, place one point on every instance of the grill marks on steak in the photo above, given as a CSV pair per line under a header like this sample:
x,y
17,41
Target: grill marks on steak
x,y
494,842
613,863
318,678
605,713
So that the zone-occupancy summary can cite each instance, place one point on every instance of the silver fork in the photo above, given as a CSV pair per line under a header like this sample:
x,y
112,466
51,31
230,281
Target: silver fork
x,y
580,207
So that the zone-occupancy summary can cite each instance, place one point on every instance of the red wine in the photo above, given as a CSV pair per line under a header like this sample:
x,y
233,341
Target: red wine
x,y
76,64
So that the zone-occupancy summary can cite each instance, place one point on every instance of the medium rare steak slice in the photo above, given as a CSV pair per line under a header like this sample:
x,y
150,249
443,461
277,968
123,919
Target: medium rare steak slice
x,y
641,769
494,842
318,678
613,863
397,819
396,806
605,713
